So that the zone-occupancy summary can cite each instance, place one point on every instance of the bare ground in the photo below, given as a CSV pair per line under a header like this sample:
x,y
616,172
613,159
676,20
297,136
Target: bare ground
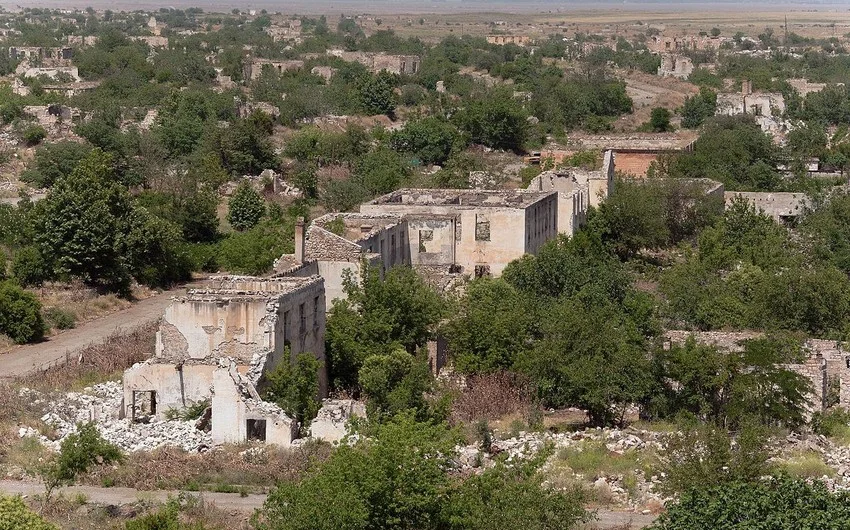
x,y
23,360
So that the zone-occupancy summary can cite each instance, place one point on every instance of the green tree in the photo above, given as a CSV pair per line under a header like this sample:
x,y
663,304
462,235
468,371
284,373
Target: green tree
x,y
493,324
14,515
394,383
78,453
729,389
295,387
81,223
381,171
735,151
54,161
706,456
393,479
378,316
654,214
496,120
28,267
20,314
376,94
432,140
659,120
245,208
253,251
153,250
512,496
698,108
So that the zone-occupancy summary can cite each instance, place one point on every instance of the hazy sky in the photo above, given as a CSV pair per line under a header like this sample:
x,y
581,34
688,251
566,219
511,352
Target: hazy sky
x,y
427,6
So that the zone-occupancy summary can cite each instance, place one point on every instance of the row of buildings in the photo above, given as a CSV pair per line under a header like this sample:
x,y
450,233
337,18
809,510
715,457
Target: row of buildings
x,y
216,343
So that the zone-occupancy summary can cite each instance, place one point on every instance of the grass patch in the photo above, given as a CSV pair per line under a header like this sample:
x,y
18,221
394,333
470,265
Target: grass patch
x,y
593,459
807,465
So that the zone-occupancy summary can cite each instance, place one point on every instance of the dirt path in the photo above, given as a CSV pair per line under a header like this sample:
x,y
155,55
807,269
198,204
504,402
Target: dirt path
x,y
247,505
22,360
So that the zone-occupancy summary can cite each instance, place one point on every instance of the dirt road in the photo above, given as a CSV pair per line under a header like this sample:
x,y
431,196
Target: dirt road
x,y
247,505
22,360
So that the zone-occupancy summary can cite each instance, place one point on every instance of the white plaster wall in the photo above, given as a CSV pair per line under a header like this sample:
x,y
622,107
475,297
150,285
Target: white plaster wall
x,y
217,328
173,389
228,410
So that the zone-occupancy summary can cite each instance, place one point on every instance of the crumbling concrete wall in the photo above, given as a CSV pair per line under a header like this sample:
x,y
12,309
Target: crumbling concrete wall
x,y
175,387
199,327
254,69
493,228
432,240
781,206
501,40
53,72
250,320
238,419
331,423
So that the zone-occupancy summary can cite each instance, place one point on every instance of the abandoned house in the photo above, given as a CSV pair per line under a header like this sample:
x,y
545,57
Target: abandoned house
x,y
378,62
217,342
253,69
491,227
677,66
501,40
634,153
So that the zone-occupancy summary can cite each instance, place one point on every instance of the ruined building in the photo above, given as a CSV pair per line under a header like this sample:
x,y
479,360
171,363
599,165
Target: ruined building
x,y
766,107
577,190
217,342
444,234
254,69
490,228
826,364
677,66
378,62
501,40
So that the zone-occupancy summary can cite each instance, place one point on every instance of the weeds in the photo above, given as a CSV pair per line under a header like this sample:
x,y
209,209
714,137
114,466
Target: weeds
x,y
807,465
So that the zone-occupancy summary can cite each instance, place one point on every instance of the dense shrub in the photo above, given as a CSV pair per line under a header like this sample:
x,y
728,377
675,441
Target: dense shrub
x,y
14,515
20,314
778,503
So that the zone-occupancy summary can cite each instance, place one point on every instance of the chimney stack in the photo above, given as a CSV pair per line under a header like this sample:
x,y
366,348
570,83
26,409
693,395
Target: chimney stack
x,y
299,239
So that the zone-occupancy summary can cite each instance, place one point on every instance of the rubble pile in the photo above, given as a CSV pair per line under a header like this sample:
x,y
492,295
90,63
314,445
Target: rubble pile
x,y
642,491
101,404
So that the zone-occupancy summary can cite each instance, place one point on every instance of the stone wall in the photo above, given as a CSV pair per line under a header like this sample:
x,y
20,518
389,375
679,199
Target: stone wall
x,y
825,361
677,66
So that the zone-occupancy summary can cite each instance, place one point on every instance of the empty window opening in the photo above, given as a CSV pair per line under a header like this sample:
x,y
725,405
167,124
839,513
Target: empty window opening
x,y
482,228
482,271
256,430
424,237
144,404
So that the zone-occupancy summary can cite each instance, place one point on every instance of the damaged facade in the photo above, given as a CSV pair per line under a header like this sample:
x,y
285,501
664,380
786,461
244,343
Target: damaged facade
x,y
217,342
766,107
783,207
254,69
378,62
577,190
677,66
